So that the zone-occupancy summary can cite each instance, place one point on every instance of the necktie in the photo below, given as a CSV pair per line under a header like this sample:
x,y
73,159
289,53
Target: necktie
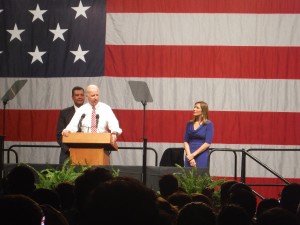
x,y
94,128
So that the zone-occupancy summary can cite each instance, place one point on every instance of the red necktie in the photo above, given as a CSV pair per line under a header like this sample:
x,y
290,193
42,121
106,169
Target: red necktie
x,y
94,128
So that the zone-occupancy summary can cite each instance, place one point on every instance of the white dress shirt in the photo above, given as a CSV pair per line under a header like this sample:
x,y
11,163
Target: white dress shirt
x,y
107,120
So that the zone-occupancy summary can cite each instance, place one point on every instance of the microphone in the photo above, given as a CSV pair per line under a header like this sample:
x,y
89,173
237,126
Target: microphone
x,y
80,122
97,121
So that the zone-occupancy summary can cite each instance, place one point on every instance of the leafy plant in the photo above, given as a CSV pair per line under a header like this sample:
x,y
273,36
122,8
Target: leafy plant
x,y
51,177
115,173
193,182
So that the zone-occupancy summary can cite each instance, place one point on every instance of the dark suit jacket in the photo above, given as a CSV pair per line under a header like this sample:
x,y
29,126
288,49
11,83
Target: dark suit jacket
x,y
64,119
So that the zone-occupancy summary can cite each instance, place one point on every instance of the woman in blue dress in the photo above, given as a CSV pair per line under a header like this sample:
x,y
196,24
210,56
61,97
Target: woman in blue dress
x,y
198,137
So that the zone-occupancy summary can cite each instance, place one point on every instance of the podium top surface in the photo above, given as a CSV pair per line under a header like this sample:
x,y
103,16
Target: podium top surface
x,y
90,140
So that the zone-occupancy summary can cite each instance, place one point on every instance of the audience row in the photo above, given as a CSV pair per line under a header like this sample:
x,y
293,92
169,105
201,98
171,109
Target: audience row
x,y
98,198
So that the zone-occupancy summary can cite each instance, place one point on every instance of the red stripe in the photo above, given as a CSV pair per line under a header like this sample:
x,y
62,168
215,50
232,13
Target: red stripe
x,y
200,6
266,191
168,126
203,61
30,125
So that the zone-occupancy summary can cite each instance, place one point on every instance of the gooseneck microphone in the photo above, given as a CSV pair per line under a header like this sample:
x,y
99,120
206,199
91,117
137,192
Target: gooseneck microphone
x,y
80,122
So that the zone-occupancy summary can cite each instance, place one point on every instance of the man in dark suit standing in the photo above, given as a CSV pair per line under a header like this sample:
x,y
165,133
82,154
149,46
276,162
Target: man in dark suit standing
x,y
64,119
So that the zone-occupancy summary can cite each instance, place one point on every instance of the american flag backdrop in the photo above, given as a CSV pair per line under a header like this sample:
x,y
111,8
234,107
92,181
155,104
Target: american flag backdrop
x,y
242,57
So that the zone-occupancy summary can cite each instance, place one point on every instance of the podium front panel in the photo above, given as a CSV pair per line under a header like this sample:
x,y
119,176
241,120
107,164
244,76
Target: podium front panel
x,y
89,156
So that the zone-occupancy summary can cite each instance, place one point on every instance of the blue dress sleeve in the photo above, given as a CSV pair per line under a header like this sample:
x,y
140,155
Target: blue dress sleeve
x,y
186,137
209,132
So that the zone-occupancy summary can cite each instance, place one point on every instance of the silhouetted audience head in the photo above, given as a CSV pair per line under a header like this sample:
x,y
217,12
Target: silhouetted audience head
x,y
168,184
167,212
244,198
196,213
179,199
198,197
290,197
19,209
224,190
237,187
231,214
266,204
47,196
208,192
65,191
277,216
86,182
53,216
122,200
20,180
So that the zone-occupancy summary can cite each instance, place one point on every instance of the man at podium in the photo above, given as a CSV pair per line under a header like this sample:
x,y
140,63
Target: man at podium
x,y
94,117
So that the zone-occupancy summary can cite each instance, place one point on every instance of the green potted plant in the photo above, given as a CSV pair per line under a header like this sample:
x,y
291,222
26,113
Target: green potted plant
x,y
49,178
192,181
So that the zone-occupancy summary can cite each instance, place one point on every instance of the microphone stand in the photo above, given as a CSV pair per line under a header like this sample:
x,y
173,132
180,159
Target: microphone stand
x,y
4,115
9,95
2,137
144,145
141,93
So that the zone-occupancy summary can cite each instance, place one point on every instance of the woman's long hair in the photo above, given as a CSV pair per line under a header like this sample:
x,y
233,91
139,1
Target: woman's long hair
x,y
204,116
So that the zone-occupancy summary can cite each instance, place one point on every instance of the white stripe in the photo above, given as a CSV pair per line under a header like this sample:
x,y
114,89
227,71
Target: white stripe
x,y
203,29
221,163
168,93
35,155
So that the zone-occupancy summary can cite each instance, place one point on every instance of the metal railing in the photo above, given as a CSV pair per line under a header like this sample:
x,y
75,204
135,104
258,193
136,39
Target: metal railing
x,y
141,148
245,153
225,150
11,149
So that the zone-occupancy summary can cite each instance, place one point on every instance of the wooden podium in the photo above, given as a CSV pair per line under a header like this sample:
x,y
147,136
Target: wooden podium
x,y
90,148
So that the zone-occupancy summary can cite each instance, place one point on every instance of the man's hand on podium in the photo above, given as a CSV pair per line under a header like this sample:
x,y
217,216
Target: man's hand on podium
x,y
65,133
114,137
